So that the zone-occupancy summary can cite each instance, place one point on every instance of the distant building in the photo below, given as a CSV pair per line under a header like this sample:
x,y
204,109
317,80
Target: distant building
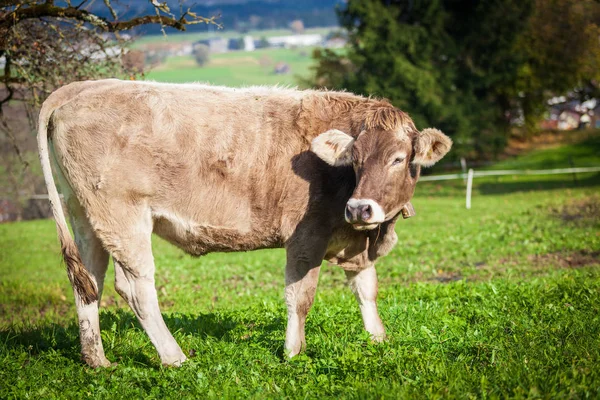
x,y
335,43
235,44
169,49
216,45
568,120
564,114
249,43
295,40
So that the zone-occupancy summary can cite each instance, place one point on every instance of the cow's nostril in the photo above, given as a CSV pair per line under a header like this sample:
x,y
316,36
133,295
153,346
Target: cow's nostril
x,y
349,210
365,212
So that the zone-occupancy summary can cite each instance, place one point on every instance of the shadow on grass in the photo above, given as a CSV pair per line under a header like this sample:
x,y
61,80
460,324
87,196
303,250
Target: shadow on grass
x,y
52,337
569,182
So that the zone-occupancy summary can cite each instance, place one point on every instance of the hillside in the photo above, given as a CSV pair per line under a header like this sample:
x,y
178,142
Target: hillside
x,y
236,14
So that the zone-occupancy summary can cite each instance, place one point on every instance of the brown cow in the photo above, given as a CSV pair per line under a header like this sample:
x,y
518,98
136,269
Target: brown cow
x,y
323,174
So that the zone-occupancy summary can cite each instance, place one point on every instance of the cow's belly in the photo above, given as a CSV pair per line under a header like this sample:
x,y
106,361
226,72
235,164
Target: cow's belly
x,y
198,238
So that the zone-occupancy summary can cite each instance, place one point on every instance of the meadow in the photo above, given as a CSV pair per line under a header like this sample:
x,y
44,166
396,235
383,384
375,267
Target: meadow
x,y
234,68
498,301
238,68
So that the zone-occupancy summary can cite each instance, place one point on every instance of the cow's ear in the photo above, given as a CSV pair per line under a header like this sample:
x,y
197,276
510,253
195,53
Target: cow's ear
x,y
431,145
334,147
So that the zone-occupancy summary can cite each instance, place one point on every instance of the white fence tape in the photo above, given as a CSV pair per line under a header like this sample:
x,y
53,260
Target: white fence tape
x,y
478,174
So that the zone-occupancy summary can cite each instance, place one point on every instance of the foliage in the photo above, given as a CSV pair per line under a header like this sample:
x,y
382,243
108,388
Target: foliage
x,y
201,54
43,46
562,55
70,29
498,301
297,26
462,66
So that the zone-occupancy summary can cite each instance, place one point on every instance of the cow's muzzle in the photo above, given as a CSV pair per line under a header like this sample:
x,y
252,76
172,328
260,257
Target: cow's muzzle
x,y
364,214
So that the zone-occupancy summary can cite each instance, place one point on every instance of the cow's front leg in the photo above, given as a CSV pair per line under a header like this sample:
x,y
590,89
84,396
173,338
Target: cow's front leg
x,y
364,286
301,278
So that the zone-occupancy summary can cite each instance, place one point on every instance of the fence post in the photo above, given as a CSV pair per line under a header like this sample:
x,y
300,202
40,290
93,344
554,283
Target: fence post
x,y
469,187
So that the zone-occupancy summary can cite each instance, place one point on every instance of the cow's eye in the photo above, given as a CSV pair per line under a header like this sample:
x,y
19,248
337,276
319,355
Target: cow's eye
x,y
398,161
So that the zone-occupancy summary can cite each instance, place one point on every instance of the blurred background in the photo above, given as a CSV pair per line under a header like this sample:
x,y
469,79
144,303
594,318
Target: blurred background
x,y
500,77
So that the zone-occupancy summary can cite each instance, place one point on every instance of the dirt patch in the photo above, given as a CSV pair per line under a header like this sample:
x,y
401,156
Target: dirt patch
x,y
216,62
446,277
574,259
579,212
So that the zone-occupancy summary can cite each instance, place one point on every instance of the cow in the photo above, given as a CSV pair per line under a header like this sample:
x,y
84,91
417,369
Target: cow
x,y
323,174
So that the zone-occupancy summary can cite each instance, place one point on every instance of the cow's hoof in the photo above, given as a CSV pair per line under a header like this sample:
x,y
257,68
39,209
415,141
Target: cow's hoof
x,y
175,361
293,352
378,337
98,362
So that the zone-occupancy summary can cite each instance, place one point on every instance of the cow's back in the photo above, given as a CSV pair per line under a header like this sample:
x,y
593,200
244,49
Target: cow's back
x,y
215,165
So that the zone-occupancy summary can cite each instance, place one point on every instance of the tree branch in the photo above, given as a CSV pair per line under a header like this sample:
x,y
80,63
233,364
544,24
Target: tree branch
x,y
48,9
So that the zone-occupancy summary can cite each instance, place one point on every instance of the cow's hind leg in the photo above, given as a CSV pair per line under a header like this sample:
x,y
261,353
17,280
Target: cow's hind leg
x,y
95,260
134,281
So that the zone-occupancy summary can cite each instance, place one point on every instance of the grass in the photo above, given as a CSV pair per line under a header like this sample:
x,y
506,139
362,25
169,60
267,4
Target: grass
x,y
236,68
499,301
582,149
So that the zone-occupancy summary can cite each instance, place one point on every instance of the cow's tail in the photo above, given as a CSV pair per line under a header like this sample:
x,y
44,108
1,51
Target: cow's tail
x,y
83,284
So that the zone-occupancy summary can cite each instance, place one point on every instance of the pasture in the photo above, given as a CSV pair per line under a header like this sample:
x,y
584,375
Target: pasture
x,y
499,301
239,68
234,68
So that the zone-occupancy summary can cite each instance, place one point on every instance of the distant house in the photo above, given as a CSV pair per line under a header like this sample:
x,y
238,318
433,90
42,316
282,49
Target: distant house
x,y
295,40
568,120
156,53
245,43
595,114
216,45
249,43
335,43
235,44
565,114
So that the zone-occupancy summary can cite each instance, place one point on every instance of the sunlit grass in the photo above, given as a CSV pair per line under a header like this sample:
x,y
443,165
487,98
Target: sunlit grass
x,y
502,300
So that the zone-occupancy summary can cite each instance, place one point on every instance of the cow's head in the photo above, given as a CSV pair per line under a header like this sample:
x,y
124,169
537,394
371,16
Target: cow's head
x,y
387,166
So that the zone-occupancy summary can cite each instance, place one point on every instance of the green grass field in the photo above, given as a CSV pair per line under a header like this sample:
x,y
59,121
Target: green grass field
x,y
238,68
499,301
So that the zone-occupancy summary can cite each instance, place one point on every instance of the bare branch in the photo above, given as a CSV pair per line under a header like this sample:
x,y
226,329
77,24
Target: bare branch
x,y
111,9
48,9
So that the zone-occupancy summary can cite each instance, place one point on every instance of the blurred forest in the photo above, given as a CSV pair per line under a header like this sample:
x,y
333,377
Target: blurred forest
x,y
475,69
